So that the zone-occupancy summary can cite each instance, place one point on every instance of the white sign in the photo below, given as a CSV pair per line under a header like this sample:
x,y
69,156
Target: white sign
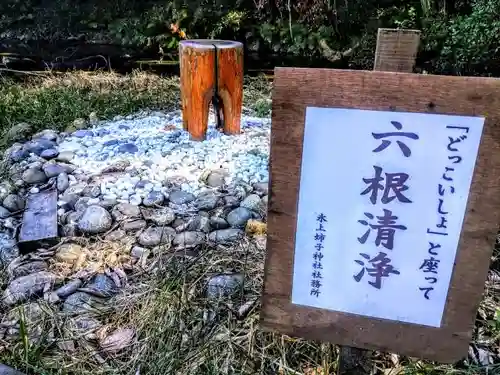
x,y
381,206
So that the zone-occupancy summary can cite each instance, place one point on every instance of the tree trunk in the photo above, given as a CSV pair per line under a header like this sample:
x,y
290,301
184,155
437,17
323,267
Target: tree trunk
x,y
198,85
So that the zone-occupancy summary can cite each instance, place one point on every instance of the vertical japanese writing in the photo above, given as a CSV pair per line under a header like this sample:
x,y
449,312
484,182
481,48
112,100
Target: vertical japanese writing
x,y
430,265
319,238
392,187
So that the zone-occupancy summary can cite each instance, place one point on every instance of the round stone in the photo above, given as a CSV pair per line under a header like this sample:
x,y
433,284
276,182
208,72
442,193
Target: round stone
x,y
238,217
34,176
51,153
128,148
53,170
13,203
95,219
62,182
155,198
82,133
252,202
154,236
181,197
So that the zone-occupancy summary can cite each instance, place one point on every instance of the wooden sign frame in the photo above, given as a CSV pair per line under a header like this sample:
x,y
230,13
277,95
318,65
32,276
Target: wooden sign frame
x,y
294,90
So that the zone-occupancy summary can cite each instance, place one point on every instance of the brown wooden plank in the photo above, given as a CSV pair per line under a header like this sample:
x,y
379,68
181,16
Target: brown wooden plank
x,y
197,74
294,90
39,220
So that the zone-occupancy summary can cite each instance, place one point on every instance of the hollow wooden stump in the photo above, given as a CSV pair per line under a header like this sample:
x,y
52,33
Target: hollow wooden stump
x,y
198,83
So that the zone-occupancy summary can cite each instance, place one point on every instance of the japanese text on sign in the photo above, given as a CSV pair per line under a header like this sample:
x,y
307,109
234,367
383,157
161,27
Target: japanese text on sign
x,y
390,189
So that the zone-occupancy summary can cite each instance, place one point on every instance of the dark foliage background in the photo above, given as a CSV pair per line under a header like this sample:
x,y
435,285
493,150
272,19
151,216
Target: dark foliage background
x,y
459,37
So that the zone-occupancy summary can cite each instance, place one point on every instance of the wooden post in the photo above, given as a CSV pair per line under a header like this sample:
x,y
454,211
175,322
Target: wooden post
x,y
396,52
198,83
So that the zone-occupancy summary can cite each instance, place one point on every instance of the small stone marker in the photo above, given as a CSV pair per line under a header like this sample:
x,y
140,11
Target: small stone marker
x,y
39,220
384,206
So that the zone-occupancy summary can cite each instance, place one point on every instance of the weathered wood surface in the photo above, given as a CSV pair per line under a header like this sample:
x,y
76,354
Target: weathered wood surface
x,y
39,220
401,58
396,50
197,72
294,90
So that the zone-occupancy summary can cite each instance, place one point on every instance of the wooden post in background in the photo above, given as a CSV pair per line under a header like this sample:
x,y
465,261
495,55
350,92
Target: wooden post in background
x,y
197,74
396,52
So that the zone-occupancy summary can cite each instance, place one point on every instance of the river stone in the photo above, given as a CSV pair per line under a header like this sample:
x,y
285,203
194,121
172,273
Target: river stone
x,y
117,341
252,202
6,370
81,204
76,189
68,288
154,236
238,217
34,176
95,219
124,211
48,134
6,188
154,198
73,217
142,184
134,225
8,249
102,285
199,223
217,222
224,285
62,182
4,213
128,148
108,203
261,188
115,235
69,200
82,133
38,146
118,166
216,178
92,191
18,155
189,239
69,230
226,236
29,268
265,200
65,156
162,216
206,201
231,201
13,203
53,170
24,287
50,153
139,252
181,197
81,302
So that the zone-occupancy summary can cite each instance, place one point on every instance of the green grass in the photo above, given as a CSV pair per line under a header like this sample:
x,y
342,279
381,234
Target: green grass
x,y
56,100
165,302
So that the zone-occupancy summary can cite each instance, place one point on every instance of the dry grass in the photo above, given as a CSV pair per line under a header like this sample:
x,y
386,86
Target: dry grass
x,y
180,331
